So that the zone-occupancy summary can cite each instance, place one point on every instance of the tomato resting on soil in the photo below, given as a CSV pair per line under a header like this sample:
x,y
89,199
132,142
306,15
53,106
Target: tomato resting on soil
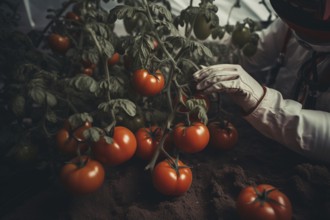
x,y
121,149
172,179
82,175
222,137
263,202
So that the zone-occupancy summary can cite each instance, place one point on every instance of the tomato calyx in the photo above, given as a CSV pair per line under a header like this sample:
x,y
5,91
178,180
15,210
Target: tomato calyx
x,y
174,164
80,162
263,197
154,134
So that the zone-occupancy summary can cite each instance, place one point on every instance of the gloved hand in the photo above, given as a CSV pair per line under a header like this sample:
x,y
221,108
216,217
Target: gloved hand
x,y
231,79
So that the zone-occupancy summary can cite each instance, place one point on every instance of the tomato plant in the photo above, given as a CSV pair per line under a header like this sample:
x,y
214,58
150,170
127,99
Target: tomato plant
x,y
172,178
191,138
263,202
68,139
148,84
82,175
202,27
223,136
147,141
58,43
121,149
200,96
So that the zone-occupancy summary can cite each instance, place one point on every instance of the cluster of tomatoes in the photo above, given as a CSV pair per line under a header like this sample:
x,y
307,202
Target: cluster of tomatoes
x,y
86,174
170,177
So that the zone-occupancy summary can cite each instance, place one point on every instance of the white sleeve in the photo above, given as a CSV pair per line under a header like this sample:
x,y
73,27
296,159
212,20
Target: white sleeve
x,y
304,131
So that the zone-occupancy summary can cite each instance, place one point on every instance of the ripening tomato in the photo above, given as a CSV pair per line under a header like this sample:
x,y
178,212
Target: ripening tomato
x,y
191,138
88,71
82,175
202,27
58,43
222,137
155,43
250,49
72,16
119,151
263,202
240,36
148,84
147,141
172,179
114,59
133,123
69,140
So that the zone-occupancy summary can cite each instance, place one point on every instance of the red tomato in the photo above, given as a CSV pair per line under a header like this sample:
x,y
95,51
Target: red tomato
x,y
155,43
170,179
58,43
147,141
83,179
114,59
72,16
148,84
68,140
192,138
263,202
222,137
119,151
88,71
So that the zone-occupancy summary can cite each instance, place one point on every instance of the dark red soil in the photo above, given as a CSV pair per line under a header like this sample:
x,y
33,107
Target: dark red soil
x,y
218,177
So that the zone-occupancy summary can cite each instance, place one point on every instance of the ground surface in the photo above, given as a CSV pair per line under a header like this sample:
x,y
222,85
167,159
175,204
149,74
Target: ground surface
x,y
218,178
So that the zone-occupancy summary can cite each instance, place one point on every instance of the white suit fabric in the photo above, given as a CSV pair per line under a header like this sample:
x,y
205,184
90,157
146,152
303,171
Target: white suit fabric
x,y
284,120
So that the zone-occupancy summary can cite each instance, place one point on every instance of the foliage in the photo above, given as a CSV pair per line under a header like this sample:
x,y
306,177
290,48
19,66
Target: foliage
x,y
48,85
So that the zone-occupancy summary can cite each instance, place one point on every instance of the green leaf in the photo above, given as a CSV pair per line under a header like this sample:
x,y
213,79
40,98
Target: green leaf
x,y
159,9
38,95
121,11
78,119
128,106
93,134
18,105
107,47
83,82
51,116
193,103
51,99
176,41
200,49
116,85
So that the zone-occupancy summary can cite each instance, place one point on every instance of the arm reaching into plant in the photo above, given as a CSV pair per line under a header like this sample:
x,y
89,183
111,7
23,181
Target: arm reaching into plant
x,y
304,131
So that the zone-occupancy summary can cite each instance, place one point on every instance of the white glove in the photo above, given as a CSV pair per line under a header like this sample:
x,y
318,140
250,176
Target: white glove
x,y
231,79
